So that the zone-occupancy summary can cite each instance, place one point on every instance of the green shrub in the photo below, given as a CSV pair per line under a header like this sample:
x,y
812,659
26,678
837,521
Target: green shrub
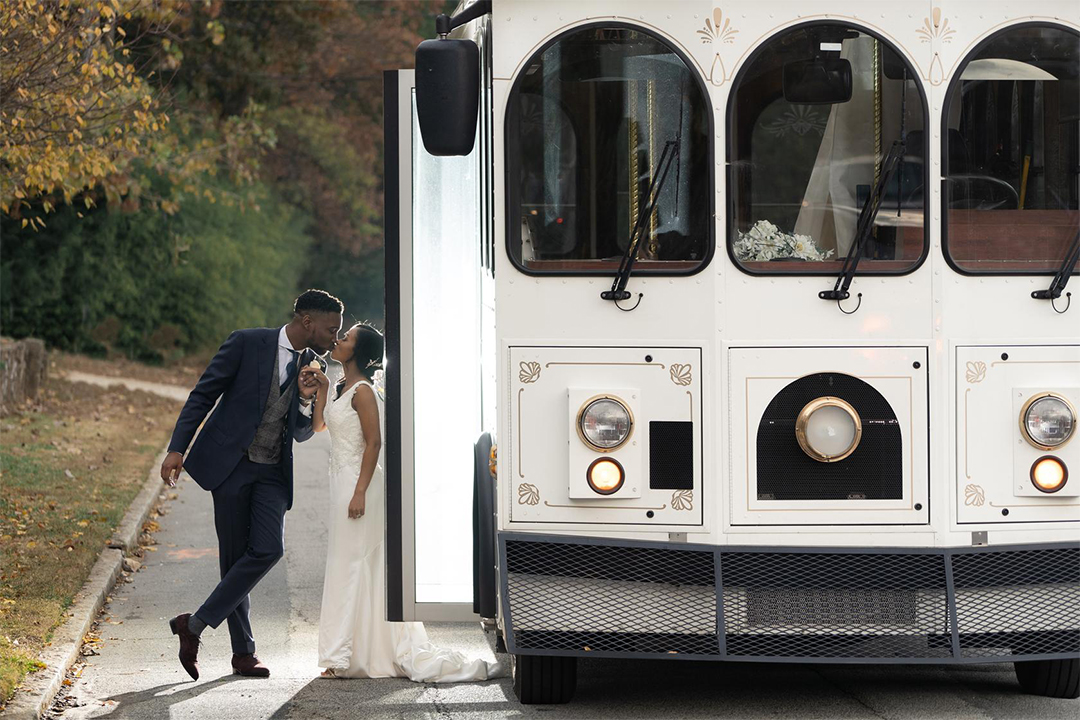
x,y
150,285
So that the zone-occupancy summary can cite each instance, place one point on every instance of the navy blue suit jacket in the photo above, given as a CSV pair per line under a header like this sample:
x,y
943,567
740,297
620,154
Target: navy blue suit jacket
x,y
240,375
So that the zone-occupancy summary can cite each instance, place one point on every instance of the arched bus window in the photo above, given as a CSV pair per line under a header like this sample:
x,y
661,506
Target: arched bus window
x,y
813,117
590,120
1011,134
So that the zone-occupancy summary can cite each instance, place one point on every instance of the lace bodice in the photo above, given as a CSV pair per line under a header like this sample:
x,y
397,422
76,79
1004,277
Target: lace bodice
x,y
346,434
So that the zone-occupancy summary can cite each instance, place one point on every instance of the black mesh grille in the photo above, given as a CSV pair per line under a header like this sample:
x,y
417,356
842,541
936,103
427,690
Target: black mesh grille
x,y
894,605
611,599
873,472
612,562
1017,603
671,455
833,605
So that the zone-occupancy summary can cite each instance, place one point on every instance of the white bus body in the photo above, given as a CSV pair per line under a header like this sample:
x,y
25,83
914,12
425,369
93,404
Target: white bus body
x,y
905,522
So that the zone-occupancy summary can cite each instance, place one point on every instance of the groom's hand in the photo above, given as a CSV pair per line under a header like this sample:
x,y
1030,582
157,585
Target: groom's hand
x,y
171,467
311,381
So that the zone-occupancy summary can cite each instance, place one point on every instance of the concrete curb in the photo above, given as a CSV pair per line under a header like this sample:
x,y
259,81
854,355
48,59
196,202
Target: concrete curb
x,y
126,535
37,693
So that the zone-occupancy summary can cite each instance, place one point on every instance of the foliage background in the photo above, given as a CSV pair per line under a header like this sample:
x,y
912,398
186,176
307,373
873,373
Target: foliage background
x,y
252,169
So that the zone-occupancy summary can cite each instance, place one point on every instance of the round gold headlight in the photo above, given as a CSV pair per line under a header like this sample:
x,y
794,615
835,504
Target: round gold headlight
x,y
1047,420
828,429
605,423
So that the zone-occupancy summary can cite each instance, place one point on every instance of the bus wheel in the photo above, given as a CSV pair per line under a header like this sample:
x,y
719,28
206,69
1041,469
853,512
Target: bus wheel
x,y
1049,678
544,680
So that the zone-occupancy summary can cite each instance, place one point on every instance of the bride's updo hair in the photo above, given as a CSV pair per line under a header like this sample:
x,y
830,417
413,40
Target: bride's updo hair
x,y
368,350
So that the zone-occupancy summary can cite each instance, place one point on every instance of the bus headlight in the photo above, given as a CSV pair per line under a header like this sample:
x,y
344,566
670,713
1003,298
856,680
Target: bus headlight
x,y
605,475
828,429
1047,421
1049,474
604,423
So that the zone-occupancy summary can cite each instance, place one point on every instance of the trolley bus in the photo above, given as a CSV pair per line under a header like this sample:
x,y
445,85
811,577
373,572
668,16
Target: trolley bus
x,y
739,331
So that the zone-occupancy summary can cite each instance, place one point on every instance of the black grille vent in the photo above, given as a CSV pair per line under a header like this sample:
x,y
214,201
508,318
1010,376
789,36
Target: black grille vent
x,y
671,455
873,472
1018,602
595,598
833,605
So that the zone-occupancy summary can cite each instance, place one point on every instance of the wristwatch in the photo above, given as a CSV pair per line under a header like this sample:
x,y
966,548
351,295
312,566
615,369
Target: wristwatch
x,y
307,401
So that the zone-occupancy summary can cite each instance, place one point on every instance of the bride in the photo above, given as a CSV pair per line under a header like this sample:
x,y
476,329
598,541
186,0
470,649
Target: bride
x,y
355,640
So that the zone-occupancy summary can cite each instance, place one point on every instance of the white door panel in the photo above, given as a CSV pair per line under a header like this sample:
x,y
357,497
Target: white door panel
x,y
433,374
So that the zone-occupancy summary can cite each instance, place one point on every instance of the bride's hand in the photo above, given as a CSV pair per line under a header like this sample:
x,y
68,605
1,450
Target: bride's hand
x,y
356,506
308,375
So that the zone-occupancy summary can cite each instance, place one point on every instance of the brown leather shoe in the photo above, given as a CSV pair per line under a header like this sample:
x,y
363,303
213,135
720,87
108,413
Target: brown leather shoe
x,y
189,644
249,666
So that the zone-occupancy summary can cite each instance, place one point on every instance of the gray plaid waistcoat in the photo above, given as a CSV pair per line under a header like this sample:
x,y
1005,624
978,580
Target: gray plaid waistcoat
x,y
265,449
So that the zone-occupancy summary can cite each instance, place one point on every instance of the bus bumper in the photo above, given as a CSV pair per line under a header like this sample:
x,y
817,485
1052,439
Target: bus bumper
x,y
572,596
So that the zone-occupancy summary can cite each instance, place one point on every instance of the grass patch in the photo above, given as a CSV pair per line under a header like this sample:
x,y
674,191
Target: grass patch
x,y
70,465
15,663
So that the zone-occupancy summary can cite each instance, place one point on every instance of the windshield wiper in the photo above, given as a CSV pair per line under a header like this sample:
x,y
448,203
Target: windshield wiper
x,y
1061,278
656,184
865,226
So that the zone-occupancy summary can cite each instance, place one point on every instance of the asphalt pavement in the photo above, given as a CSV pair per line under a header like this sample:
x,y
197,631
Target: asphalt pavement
x,y
136,673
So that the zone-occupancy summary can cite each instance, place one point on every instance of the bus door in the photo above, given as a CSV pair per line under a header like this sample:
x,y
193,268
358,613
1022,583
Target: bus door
x,y
435,279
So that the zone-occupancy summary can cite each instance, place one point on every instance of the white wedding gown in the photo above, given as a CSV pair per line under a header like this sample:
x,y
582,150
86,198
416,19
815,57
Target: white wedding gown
x,y
354,637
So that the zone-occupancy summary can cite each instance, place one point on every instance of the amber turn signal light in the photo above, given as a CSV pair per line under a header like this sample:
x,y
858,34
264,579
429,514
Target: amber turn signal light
x,y
605,476
1049,474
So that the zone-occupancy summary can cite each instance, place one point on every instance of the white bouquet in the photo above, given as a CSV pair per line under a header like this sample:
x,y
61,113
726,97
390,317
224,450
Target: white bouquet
x,y
765,241
378,382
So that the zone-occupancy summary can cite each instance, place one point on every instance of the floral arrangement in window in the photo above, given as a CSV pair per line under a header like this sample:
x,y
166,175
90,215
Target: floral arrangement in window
x,y
765,241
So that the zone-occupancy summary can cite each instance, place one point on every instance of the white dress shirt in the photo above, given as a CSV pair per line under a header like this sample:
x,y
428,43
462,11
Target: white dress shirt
x,y
285,350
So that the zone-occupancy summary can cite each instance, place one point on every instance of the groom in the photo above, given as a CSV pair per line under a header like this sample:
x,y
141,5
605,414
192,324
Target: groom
x,y
244,457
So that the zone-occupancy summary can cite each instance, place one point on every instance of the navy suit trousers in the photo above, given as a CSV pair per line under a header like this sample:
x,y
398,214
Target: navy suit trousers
x,y
249,515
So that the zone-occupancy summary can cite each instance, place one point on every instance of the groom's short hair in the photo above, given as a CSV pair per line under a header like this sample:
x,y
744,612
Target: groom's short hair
x,y
317,301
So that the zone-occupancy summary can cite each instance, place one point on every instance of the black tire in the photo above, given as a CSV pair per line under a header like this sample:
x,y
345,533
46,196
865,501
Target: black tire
x,y
544,680
1050,678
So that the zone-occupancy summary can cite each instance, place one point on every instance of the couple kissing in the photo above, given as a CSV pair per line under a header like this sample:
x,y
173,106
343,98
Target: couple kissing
x,y
271,387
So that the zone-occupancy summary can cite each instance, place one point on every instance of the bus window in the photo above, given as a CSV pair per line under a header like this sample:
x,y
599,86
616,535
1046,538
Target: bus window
x,y
813,116
588,122
1012,153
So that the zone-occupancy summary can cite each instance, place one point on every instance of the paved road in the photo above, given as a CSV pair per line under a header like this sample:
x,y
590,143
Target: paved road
x,y
137,674
173,392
